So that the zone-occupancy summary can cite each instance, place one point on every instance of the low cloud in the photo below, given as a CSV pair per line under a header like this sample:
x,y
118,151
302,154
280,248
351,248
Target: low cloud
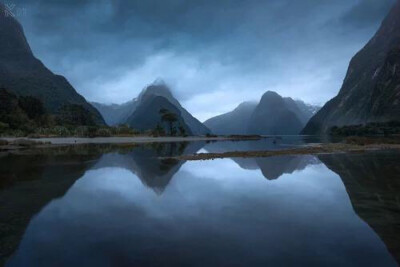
x,y
214,54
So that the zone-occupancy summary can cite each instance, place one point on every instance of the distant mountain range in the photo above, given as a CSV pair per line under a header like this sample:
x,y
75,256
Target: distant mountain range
x,y
273,115
371,89
23,74
143,112
370,93
115,114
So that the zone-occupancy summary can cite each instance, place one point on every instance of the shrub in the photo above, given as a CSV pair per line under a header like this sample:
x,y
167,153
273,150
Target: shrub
x,y
33,107
17,133
124,130
61,131
74,115
3,142
370,129
4,126
81,131
103,132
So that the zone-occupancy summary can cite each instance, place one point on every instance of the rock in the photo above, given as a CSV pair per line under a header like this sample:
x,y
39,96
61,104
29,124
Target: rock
x,y
371,89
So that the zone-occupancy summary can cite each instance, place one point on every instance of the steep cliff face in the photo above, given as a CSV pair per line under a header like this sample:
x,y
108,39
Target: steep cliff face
x,y
273,117
12,38
371,89
23,74
234,122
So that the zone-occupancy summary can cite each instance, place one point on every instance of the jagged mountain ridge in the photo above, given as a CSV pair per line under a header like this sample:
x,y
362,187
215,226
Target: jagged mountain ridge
x,y
142,113
23,74
371,89
272,115
303,110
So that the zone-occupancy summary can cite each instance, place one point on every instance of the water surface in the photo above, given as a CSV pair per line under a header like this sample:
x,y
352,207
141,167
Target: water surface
x,y
132,208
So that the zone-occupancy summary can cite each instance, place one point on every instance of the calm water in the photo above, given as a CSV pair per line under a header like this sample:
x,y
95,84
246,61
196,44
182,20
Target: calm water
x,y
102,207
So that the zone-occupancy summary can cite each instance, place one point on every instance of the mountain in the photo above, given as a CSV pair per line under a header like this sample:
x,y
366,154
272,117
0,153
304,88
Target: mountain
x,y
142,113
115,114
147,114
23,74
371,89
159,88
273,116
255,118
303,110
234,122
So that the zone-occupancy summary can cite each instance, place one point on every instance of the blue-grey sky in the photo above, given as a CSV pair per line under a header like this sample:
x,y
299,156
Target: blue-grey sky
x,y
213,54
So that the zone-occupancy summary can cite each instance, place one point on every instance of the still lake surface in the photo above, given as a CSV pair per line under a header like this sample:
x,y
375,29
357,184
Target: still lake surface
x,y
100,206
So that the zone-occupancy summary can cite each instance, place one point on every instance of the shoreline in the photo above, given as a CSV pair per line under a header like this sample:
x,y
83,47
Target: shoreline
x,y
354,145
316,149
16,142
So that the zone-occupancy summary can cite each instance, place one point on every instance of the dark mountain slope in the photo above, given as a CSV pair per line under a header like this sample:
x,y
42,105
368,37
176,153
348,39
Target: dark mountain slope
x,y
23,74
371,89
234,122
121,114
147,114
116,114
159,88
273,117
303,111
241,118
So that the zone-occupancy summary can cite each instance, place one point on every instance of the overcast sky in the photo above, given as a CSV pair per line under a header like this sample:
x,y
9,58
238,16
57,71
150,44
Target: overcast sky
x,y
213,53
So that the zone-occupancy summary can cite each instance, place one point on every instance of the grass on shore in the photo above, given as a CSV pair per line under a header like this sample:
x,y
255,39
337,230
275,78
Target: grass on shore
x,y
351,144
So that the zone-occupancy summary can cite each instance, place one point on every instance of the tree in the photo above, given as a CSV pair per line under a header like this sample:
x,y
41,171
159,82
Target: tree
x,y
75,115
33,107
9,102
10,112
182,130
159,130
170,118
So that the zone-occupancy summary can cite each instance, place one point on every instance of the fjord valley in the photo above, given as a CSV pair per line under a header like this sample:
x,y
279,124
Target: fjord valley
x,y
37,102
200,133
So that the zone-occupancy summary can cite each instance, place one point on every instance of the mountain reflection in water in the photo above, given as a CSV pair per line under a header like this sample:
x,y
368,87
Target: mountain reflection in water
x,y
68,208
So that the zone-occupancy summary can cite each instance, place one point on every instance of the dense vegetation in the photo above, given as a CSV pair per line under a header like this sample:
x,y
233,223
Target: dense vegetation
x,y
27,116
170,125
370,129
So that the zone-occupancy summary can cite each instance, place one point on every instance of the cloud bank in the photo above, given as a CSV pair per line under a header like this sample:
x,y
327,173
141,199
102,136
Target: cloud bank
x,y
214,54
